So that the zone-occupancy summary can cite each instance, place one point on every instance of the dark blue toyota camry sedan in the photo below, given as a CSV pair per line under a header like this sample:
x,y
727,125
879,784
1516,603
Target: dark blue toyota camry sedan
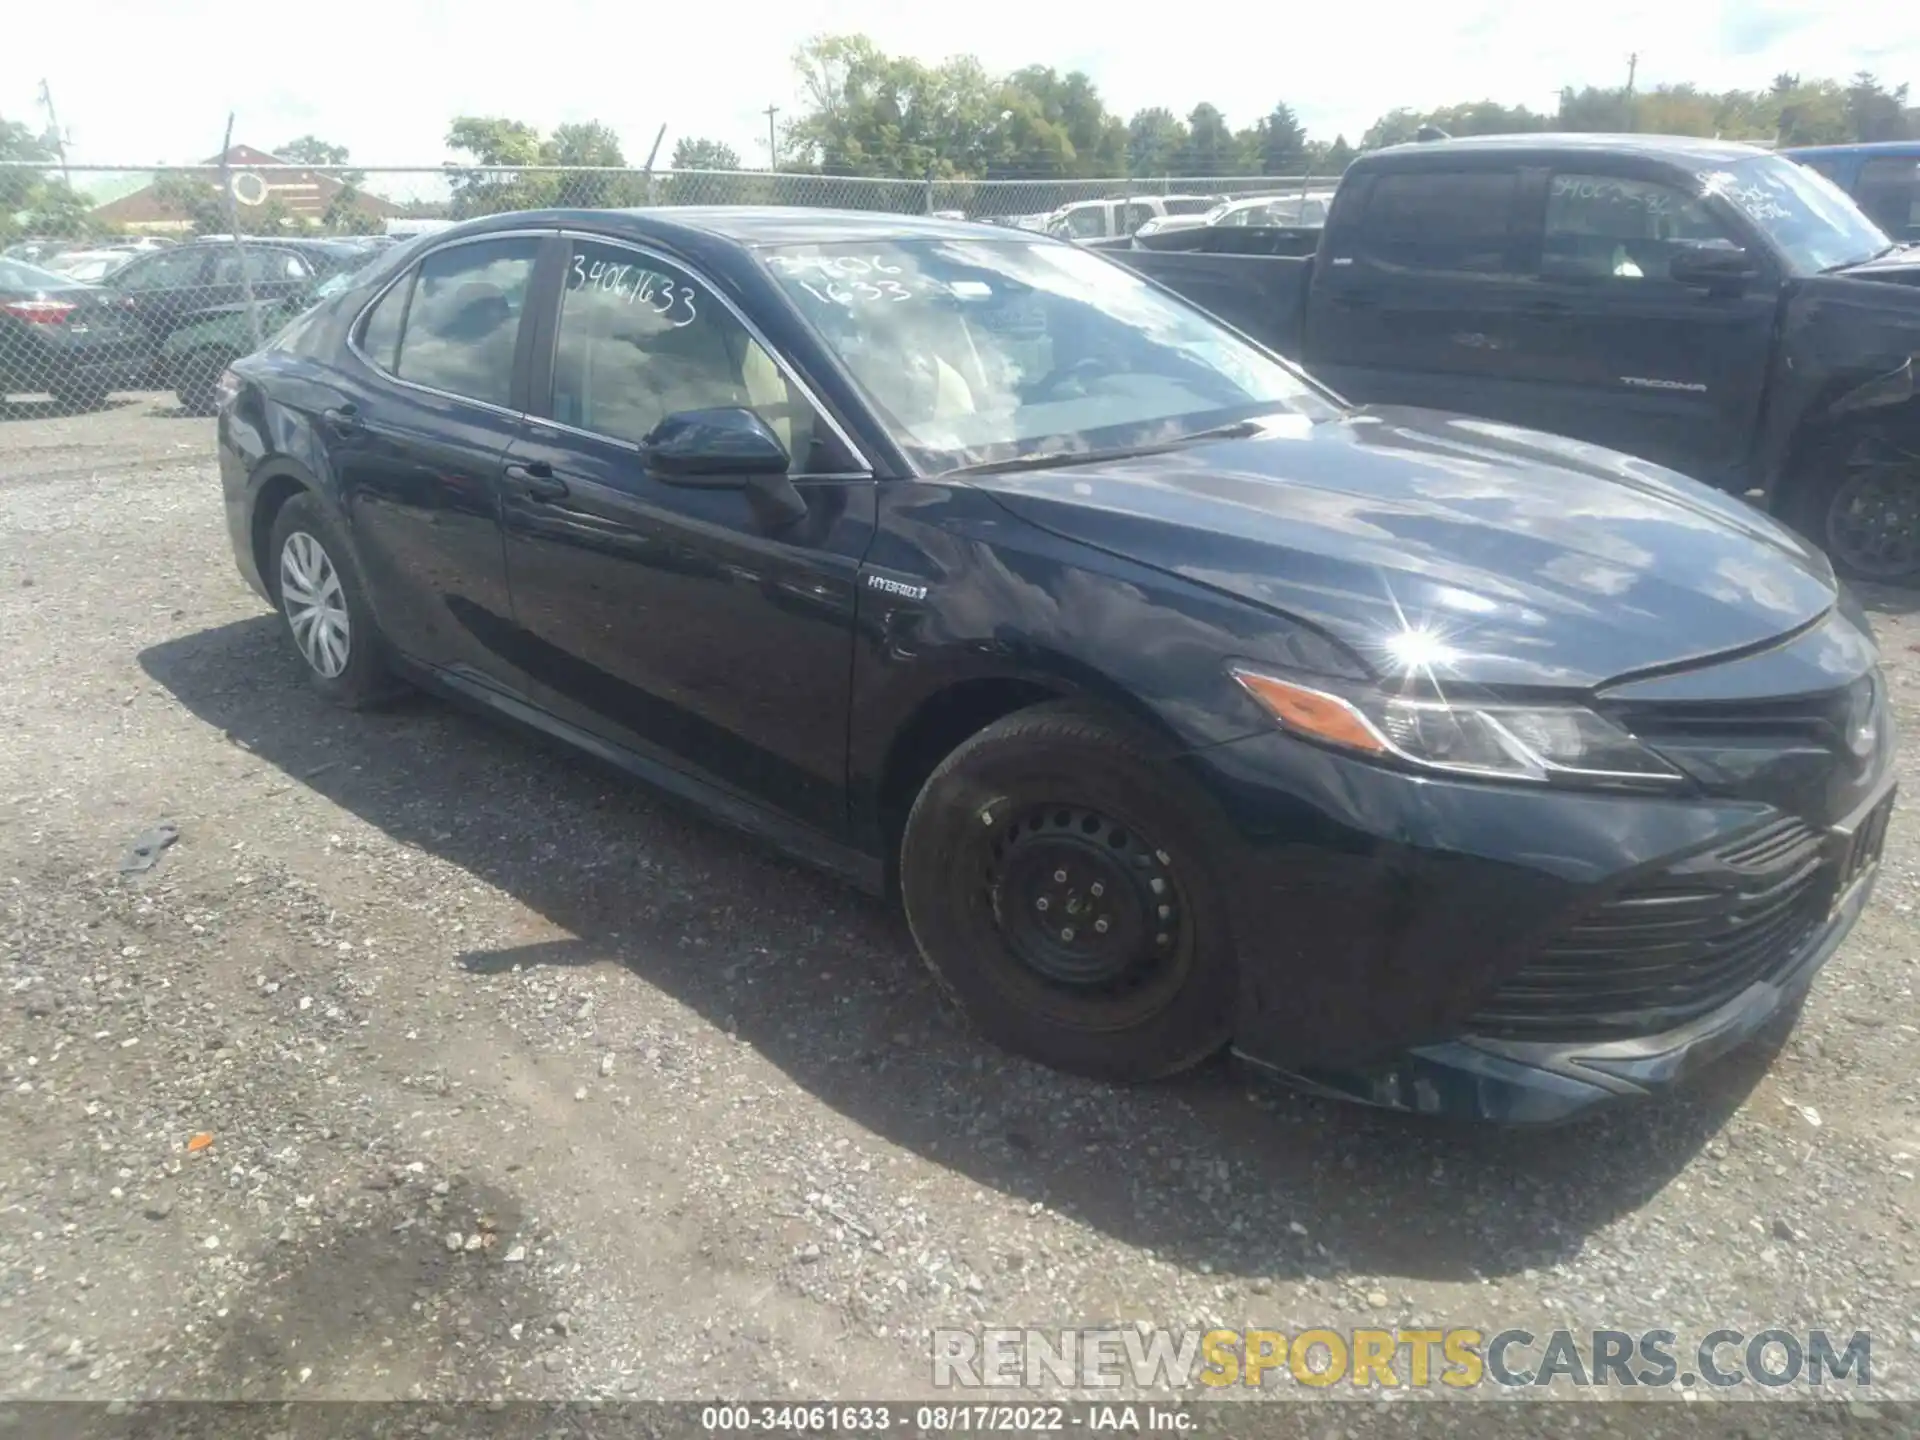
x,y
1421,759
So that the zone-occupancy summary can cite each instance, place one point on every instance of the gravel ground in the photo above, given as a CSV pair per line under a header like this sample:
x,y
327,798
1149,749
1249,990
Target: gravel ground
x,y
435,1062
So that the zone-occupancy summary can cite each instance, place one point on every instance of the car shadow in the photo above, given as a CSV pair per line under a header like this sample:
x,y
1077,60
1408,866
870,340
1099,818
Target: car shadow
x,y
1213,1170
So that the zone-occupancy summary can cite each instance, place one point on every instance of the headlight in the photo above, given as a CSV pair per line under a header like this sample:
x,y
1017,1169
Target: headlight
x,y
1496,740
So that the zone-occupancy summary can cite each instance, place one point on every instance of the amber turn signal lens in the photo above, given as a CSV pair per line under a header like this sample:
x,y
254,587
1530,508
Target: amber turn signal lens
x,y
1313,712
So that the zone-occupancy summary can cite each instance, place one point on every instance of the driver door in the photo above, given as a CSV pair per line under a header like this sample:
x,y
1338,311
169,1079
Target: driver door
x,y
672,620
1615,351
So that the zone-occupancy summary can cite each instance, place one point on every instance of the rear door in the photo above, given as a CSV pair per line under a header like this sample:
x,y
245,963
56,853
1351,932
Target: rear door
x,y
1416,299
1613,349
1889,191
160,289
416,440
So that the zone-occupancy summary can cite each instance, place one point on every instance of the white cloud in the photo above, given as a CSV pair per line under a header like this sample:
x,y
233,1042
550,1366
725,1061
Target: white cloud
x,y
139,82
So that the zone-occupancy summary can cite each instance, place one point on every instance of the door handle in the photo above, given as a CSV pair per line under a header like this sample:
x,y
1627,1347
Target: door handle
x,y
1547,309
345,420
536,477
1353,299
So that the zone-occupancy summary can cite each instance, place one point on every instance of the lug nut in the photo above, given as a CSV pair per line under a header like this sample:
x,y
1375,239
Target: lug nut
x,y
1097,890
1041,903
1159,939
1067,933
1100,925
1059,877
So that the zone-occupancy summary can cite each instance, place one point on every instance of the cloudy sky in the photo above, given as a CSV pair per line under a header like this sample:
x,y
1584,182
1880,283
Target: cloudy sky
x,y
152,80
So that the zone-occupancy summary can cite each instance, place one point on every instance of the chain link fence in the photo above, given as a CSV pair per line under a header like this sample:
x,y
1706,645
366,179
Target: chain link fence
x,y
153,278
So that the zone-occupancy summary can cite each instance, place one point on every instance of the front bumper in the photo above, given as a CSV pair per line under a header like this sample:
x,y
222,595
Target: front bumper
x,y
1517,1082
1405,942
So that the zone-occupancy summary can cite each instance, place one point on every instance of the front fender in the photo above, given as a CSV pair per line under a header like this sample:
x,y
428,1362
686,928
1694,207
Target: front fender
x,y
1848,348
988,597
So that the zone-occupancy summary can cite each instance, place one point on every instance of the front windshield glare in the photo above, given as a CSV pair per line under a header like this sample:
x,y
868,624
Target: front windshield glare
x,y
976,351
1810,218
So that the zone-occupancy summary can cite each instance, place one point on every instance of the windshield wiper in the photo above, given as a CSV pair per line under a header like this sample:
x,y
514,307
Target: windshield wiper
x,y
1052,459
1879,254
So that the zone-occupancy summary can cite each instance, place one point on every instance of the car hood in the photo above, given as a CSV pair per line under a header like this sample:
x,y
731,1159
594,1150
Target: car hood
x,y
1902,267
1539,561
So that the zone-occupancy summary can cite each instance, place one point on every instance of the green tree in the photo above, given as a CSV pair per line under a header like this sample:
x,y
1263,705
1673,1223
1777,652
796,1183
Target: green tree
x,y
1876,113
1211,148
311,150
1156,141
697,154
498,149
588,143
1281,142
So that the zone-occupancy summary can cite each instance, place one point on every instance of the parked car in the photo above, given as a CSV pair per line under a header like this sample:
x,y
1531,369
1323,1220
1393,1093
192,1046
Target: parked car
x,y
1882,178
1260,212
176,288
1116,219
193,357
1708,306
91,266
61,337
1443,764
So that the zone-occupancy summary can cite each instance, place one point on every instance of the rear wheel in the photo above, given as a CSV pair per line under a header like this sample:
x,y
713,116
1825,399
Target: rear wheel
x,y
1062,887
1860,502
323,603
197,380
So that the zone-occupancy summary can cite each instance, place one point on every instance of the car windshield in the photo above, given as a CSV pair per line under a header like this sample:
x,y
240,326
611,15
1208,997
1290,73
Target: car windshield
x,y
18,275
978,351
1809,218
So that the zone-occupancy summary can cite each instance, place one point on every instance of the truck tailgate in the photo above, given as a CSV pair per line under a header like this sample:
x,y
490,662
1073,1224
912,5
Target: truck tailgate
x,y
1263,296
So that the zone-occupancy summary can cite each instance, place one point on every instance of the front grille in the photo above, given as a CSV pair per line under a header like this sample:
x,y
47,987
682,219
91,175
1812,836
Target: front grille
x,y
1673,946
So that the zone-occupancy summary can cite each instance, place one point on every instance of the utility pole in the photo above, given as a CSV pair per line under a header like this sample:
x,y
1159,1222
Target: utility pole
x,y
1633,65
53,128
773,151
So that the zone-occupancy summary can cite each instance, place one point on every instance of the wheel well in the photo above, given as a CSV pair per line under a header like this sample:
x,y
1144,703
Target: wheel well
x,y
274,493
1816,437
937,728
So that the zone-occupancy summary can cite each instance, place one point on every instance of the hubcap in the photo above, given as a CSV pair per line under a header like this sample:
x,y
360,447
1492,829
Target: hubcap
x,y
1873,523
1082,902
316,606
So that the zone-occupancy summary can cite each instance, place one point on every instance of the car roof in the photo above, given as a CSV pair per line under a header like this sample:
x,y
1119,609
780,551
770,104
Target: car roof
x,y
1651,147
747,225
1865,147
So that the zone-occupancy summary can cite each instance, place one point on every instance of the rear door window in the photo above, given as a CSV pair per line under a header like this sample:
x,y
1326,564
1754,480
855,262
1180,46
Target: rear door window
x,y
1449,221
464,320
1889,191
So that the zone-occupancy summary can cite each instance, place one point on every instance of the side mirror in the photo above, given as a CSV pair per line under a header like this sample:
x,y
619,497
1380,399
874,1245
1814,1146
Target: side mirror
x,y
723,448
1714,268
727,449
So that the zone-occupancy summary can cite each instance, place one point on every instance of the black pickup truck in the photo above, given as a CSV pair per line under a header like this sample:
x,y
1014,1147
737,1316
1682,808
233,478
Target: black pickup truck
x,y
1706,306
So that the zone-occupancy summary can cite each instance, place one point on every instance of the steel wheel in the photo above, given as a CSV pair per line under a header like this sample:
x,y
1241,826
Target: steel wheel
x,y
315,604
1088,908
1873,516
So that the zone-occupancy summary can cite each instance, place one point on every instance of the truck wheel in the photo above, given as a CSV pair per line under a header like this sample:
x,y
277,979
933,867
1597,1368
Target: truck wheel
x,y
323,602
1059,881
197,379
1860,502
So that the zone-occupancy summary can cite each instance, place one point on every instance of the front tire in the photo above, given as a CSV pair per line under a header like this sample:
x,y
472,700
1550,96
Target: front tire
x,y
1860,502
323,602
1061,883
198,381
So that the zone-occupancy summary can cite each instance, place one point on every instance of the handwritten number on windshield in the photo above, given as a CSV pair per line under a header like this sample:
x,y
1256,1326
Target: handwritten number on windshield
x,y
637,285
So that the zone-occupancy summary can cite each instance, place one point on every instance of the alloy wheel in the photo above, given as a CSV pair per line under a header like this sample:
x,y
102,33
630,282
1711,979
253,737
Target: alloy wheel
x,y
1873,518
315,604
